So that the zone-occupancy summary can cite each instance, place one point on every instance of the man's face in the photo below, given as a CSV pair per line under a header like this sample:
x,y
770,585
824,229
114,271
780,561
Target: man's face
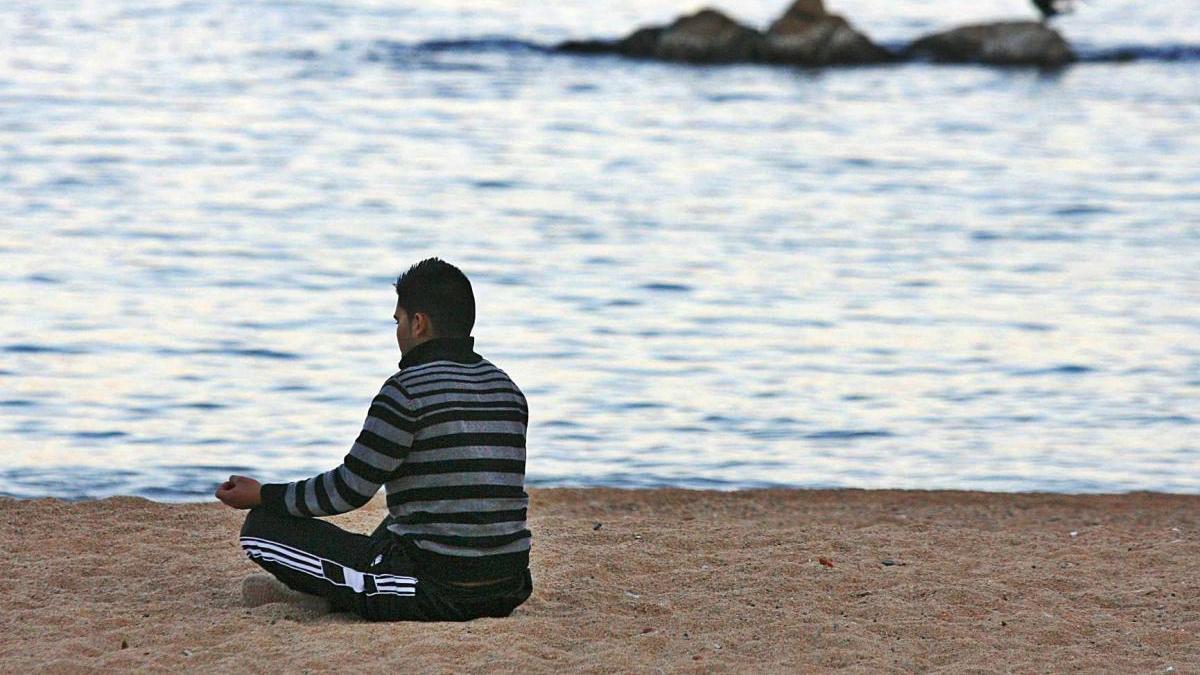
x,y
404,330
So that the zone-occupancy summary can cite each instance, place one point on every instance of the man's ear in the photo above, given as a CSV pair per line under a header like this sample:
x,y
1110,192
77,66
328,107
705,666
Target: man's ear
x,y
422,326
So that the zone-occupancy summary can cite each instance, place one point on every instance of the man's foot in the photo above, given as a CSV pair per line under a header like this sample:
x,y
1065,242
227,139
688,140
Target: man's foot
x,y
263,589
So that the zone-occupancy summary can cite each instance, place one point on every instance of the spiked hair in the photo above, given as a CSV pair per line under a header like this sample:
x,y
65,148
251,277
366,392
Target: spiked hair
x,y
442,292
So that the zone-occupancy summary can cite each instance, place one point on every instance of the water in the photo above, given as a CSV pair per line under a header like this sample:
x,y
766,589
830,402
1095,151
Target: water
x,y
908,276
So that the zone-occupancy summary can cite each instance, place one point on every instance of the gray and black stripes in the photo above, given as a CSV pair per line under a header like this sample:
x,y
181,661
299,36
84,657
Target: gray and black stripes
x,y
461,492
447,441
374,459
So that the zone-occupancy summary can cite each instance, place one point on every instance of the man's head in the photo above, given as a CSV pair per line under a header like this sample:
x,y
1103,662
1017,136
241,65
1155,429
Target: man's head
x,y
433,299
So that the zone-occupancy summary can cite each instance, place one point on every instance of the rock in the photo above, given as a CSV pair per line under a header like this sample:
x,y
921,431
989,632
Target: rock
x,y
1009,43
708,36
588,46
805,35
641,43
808,35
813,9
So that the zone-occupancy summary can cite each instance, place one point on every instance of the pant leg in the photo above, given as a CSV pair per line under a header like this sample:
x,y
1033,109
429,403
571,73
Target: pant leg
x,y
297,550
370,576
320,558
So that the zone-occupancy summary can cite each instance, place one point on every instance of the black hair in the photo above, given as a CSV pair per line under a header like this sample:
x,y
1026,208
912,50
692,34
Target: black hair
x,y
442,292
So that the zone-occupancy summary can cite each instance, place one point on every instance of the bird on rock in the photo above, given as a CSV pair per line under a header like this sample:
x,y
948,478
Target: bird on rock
x,y
1052,8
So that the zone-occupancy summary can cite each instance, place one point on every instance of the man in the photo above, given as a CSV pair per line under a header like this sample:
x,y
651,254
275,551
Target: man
x,y
445,436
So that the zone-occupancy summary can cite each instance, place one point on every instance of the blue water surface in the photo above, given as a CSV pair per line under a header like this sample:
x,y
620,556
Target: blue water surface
x,y
909,276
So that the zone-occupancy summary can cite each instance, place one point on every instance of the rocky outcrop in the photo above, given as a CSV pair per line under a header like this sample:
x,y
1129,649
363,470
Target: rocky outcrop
x,y
640,44
1011,43
709,36
805,35
808,35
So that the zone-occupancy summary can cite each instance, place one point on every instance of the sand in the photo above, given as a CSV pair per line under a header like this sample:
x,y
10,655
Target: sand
x,y
654,580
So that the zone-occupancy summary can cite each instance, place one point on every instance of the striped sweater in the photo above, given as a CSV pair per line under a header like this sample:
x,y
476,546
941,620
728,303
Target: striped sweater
x,y
445,437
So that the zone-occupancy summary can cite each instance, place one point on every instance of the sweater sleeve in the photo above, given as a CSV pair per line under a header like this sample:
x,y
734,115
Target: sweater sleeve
x,y
376,455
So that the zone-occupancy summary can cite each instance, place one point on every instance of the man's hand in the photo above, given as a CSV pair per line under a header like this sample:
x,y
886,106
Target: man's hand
x,y
240,492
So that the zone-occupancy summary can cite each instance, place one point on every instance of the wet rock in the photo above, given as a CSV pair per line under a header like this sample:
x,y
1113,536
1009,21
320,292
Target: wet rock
x,y
808,35
708,36
641,43
588,47
808,8
1009,43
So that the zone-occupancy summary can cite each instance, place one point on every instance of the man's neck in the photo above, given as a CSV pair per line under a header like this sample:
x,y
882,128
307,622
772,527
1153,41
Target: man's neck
x,y
458,349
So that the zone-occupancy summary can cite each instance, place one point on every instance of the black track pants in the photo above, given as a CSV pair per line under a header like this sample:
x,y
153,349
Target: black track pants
x,y
369,576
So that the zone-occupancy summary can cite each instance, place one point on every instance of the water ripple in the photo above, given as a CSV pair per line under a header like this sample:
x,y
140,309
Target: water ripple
x,y
701,276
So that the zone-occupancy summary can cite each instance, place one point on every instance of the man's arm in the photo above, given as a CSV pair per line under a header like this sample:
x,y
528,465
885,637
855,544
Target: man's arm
x,y
377,453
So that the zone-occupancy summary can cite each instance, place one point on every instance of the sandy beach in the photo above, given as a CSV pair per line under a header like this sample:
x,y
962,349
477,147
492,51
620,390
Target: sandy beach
x,y
653,580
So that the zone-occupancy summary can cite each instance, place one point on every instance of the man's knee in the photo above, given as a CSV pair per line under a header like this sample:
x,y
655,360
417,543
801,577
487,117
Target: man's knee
x,y
257,522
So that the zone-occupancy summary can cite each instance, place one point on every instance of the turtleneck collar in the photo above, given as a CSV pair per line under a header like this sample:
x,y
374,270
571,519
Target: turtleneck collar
x,y
457,349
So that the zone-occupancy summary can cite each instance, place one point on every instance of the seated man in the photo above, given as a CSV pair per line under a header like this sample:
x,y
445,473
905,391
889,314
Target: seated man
x,y
446,437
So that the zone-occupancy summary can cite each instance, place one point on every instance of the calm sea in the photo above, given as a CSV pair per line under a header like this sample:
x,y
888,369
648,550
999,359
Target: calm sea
x,y
909,276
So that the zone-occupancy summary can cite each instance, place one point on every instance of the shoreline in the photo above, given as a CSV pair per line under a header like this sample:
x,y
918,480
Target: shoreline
x,y
649,578
208,499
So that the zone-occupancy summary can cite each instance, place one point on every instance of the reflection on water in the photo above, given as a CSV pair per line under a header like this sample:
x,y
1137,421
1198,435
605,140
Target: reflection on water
x,y
712,277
